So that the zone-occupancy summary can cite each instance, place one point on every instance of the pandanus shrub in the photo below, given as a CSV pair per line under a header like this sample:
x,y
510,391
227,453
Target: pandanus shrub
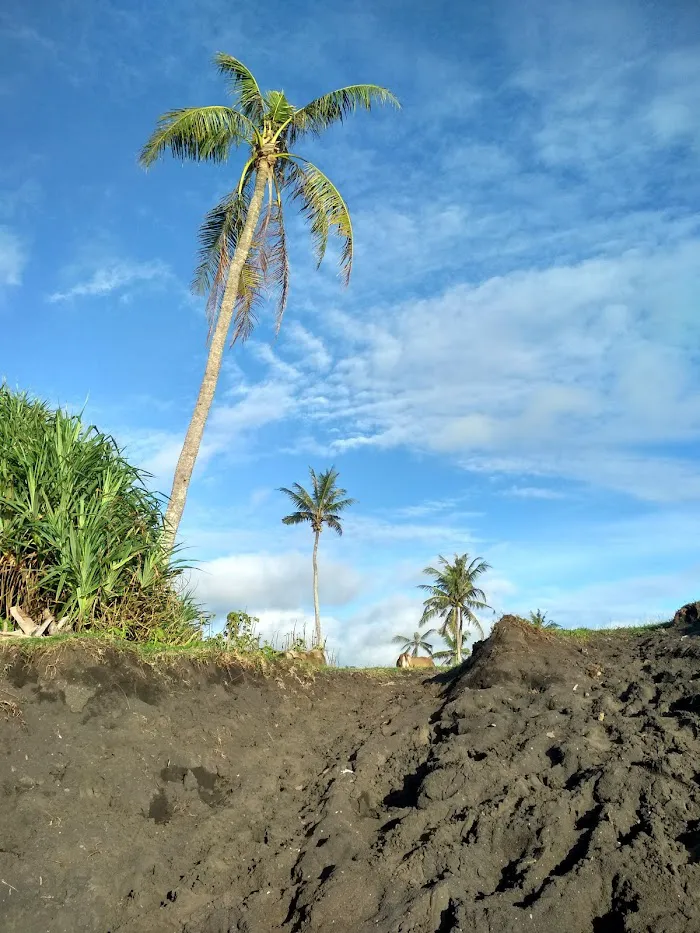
x,y
80,533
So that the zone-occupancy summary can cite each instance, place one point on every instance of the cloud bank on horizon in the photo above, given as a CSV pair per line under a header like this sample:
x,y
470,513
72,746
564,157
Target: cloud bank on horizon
x,y
513,371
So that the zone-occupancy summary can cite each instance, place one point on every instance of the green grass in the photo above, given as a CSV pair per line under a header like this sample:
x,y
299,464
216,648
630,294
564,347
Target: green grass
x,y
619,631
99,647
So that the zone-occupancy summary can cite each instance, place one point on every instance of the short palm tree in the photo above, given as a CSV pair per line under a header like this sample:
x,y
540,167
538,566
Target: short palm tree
x,y
453,596
449,655
243,240
416,642
322,506
540,620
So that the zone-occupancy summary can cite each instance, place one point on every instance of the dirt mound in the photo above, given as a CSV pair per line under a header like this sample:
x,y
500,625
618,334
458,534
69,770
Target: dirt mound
x,y
687,619
549,786
517,652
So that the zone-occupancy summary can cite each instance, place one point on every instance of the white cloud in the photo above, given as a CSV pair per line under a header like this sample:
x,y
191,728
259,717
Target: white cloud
x,y
581,371
449,533
310,348
630,600
111,277
561,371
533,492
13,257
228,432
272,581
364,637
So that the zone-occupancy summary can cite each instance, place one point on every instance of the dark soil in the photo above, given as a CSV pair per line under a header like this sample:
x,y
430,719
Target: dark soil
x,y
551,786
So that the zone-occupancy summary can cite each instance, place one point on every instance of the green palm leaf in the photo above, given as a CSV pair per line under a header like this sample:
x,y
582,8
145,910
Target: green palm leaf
x,y
325,209
198,133
332,108
321,506
279,110
243,86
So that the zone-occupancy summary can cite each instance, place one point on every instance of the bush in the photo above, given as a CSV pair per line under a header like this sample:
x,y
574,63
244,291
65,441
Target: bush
x,y
239,636
80,532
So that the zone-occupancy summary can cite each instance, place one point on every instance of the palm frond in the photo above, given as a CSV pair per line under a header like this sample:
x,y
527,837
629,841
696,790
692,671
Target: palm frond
x,y
251,293
243,86
198,133
321,505
296,518
279,110
218,236
274,257
300,497
325,209
334,107
339,505
333,522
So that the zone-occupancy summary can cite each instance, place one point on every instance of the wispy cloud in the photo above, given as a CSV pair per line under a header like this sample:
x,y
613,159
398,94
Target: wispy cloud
x,y
20,32
533,492
581,371
13,257
118,276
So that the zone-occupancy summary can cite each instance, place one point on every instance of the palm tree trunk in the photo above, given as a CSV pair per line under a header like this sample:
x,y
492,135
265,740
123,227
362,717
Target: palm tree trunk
x,y
458,636
193,438
317,611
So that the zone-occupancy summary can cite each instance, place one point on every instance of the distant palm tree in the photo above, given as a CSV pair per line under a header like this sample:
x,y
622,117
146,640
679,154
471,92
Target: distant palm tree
x,y
322,506
243,243
415,643
454,597
449,655
540,620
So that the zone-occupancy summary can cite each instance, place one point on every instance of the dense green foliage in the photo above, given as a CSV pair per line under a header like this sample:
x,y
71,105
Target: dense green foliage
x,y
80,534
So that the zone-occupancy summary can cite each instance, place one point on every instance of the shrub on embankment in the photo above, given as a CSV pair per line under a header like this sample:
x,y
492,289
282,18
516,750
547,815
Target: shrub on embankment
x,y
80,532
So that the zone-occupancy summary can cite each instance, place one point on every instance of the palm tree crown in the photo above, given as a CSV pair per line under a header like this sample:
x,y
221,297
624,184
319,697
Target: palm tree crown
x,y
453,596
322,506
415,643
266,125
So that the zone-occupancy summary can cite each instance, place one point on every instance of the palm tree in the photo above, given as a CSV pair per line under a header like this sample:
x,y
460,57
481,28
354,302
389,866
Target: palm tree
x,y
322,506
540,620
415,643
243,247
454,597
449,655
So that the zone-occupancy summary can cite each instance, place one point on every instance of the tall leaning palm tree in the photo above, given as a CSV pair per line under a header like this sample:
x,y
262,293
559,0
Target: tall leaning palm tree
x,y
243,246
453,597
322,506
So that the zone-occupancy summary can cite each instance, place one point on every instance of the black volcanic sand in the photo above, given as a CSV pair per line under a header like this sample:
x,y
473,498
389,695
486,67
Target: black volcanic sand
x,y
553,786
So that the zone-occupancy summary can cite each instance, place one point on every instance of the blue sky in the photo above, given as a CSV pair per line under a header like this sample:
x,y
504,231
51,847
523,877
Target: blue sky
x,y
513,371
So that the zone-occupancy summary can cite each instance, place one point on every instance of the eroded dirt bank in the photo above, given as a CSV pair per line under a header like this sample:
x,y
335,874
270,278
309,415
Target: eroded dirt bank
x,y
552,786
